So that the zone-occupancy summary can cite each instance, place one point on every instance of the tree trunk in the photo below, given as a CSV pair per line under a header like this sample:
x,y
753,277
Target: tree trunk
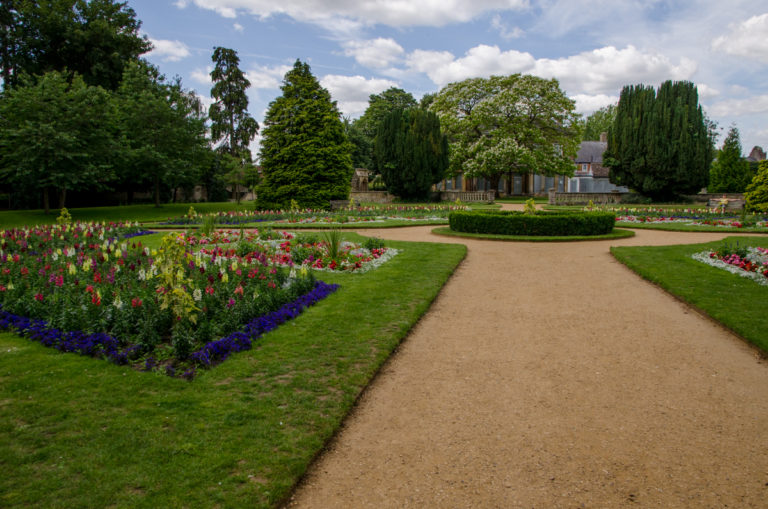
x,y
62,197
46,202
494,181
157,192
510,184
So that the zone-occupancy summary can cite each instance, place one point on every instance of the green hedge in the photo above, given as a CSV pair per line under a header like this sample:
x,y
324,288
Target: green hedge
x,y
541,223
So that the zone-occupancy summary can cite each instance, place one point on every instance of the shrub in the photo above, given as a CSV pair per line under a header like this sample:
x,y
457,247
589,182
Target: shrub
x,y
555,224
757,192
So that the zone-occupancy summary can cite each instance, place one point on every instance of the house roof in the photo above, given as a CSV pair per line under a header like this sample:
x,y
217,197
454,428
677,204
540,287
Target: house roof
x,y
591,152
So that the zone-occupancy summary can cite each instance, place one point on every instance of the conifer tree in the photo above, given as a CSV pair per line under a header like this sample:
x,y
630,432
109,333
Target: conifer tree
x,y
730,173
411,152
756,195
660,143
305,153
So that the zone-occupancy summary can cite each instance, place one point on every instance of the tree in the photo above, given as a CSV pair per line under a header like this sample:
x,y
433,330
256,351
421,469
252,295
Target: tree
x,y
57,134
95,38
411,152
599,122
505,124
231,124
379,106
661,143
362,147
163,130
756,196
305,154
729,173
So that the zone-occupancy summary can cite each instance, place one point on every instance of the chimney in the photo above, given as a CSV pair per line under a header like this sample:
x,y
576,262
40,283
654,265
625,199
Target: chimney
x,y
604,137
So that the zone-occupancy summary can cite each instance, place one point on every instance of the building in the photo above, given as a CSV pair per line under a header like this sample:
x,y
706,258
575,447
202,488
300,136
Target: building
x,y
590,175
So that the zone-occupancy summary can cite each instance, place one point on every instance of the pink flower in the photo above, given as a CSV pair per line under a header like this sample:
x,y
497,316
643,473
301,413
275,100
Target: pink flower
x,y
39,297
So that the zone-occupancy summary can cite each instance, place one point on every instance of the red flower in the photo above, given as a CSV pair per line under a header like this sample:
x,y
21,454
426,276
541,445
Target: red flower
x,y
89,288
209,290
97,277
136,302
96,300
39,297
24,271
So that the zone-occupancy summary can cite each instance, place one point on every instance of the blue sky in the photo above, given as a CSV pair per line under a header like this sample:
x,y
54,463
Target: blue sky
x,y
362,47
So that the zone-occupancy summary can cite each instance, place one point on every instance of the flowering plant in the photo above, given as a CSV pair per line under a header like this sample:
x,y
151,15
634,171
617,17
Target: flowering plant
x,y
745,261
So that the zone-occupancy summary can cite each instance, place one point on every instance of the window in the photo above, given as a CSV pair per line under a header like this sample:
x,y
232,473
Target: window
x,y
585,167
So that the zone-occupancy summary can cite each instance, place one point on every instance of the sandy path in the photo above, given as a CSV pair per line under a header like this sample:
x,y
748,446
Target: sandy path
x,y
549,375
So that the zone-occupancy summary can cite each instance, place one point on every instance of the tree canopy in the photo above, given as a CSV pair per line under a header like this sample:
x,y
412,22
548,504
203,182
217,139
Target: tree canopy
x,y
730,173
305,153
411,151
94,38
661,143
599,122
508,124
756,196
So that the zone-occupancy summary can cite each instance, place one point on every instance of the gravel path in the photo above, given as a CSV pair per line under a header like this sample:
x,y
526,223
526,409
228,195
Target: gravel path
x,y
549,375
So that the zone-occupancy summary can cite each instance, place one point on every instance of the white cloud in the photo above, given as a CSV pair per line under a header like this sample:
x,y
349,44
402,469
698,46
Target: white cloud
x,y
587,104
601,71
706,92
267,77
352,92
238,27
347,15
504,31
747,39
607,70
375,53
169,51
202,76
481,61
742,106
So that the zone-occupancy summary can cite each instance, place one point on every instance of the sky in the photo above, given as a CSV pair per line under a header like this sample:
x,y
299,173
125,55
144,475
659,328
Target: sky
x,y
361,47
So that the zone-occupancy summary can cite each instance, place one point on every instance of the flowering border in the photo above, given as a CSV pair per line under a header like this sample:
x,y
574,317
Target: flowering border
x,y
100,344
706,257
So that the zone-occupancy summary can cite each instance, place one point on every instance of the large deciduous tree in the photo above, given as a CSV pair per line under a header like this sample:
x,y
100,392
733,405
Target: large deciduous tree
x,y
661,144
504,124
598,123
411,152
163,129
95,38
305,153
57,134
730,173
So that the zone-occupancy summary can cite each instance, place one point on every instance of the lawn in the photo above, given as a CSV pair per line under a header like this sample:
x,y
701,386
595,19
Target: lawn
x,y
82,432
734,301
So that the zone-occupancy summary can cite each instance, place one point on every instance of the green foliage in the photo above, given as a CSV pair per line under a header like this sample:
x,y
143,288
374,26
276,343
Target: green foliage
x,y
333,240
756,196
362,145
64,217
491,132
539,224
163,132
599,122
729,173
208,226
366,127
411,152
231,124
530,206
661,143
372,243
305,153
93,38
57,133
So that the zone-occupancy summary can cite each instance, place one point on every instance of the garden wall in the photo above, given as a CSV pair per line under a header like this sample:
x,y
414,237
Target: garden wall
x,y
467,196
371,196
584,198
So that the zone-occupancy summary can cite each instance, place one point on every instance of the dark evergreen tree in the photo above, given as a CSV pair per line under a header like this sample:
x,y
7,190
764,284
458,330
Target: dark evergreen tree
x,y
362,147
95,38
305,153
379,106
411,152
730,173
661,143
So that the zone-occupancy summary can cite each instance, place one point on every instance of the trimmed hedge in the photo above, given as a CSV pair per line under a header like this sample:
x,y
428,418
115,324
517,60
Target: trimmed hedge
x,y
560,224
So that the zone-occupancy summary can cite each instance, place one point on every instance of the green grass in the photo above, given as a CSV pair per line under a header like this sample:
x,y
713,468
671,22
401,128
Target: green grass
x,y
615,234
80,432
680,227
142,213
736,302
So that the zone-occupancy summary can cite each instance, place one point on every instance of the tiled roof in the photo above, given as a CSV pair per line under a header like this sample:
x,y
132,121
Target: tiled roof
x,y
591,152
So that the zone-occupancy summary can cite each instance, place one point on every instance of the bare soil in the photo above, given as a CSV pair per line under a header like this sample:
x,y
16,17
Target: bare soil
x,y
549,375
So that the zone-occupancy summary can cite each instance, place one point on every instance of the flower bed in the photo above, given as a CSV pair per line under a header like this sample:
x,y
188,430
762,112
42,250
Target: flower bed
x,y
688,217
351,214
749,262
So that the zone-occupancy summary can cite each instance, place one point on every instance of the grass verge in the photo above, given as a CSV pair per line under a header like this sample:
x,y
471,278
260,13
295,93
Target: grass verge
x,y
81,432
678,227
736,302
615,234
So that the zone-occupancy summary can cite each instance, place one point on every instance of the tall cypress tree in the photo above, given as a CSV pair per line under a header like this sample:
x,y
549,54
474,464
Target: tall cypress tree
x,y
411,152
730,173
661,143
305,153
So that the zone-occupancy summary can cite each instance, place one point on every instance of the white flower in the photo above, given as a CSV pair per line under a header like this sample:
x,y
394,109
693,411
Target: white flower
x,y
197,295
